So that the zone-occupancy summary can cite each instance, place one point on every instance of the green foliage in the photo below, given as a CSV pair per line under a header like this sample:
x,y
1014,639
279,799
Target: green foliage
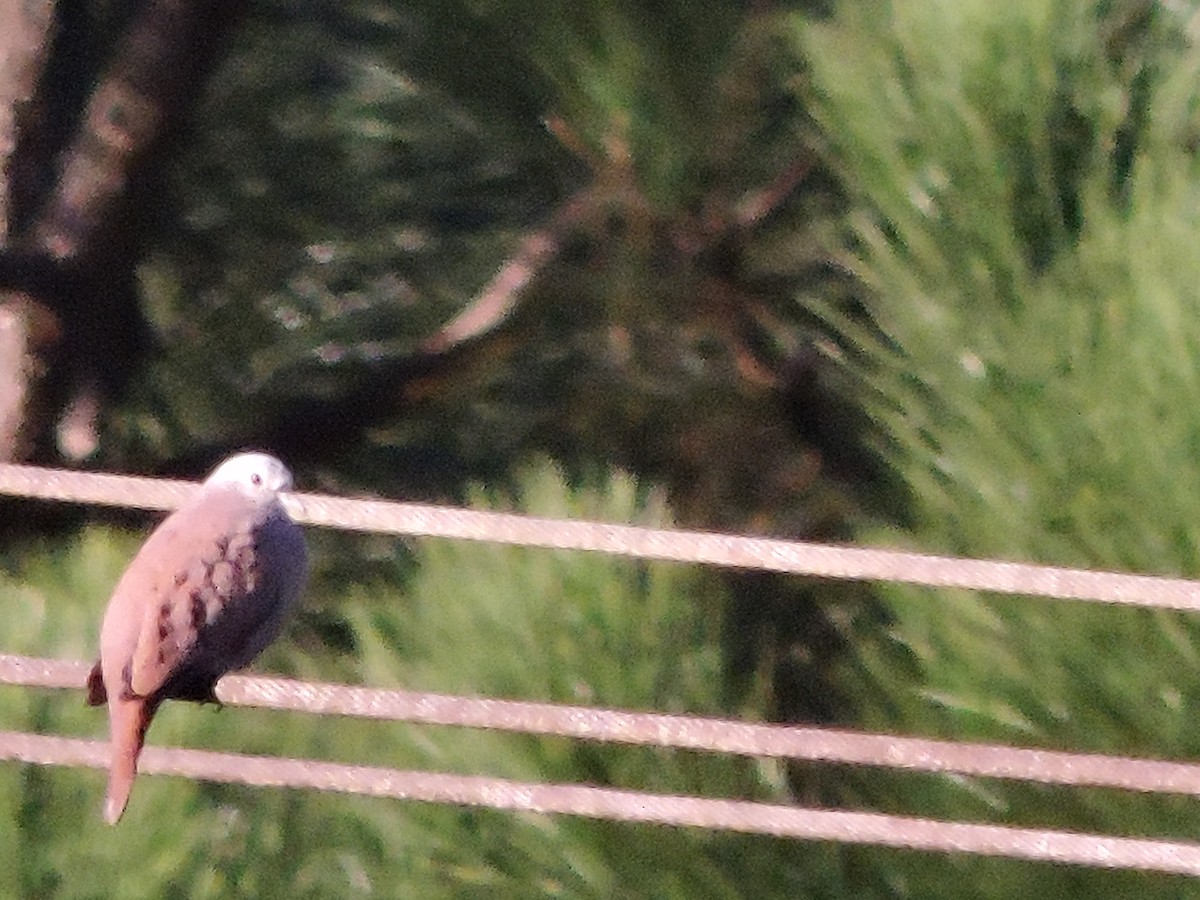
x,y
1024,216
357,172
330,212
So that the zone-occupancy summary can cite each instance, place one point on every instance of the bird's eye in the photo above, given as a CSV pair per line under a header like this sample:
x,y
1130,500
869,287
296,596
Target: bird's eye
x,y
256,480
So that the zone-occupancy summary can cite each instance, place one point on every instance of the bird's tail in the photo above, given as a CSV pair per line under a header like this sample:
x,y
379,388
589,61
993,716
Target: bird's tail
x,y
129,720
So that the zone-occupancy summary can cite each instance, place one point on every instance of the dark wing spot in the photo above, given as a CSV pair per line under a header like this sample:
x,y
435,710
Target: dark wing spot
x,y
199,611
96,693
127,683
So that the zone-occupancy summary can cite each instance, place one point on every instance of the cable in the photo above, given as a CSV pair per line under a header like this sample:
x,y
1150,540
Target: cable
x,y
673,731
68,486
797,557
628,806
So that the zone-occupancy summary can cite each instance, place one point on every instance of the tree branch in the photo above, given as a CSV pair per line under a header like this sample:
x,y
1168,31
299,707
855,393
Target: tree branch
x,y
158,68
499,297
25,325
81,245
24,41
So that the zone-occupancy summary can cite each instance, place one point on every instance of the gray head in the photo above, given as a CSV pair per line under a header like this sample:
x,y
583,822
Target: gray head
x,y
254,473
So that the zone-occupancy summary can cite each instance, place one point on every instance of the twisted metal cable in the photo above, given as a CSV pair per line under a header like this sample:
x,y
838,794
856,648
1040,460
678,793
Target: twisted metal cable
x,y
628,806
734,551
668,731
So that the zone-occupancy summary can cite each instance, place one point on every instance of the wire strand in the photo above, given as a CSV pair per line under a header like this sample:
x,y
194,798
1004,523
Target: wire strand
x,y
628,806
668,731
709,548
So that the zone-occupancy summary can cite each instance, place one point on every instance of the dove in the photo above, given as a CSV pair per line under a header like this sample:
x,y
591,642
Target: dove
x,y
206,593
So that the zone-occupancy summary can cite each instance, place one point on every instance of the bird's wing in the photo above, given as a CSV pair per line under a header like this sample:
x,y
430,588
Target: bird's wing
x,y
200,572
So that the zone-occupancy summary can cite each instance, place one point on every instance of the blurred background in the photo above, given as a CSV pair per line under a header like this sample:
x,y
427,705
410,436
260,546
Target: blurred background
x,y
918,274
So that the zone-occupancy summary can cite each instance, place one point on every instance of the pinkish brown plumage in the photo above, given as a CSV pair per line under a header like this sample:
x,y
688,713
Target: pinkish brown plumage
x,y
206,593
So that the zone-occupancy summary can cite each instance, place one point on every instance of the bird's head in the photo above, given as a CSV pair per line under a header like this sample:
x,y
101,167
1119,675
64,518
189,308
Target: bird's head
x,y
253,473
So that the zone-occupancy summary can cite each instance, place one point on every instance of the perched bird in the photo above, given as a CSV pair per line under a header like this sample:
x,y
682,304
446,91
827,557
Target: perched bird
x,y
206,593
